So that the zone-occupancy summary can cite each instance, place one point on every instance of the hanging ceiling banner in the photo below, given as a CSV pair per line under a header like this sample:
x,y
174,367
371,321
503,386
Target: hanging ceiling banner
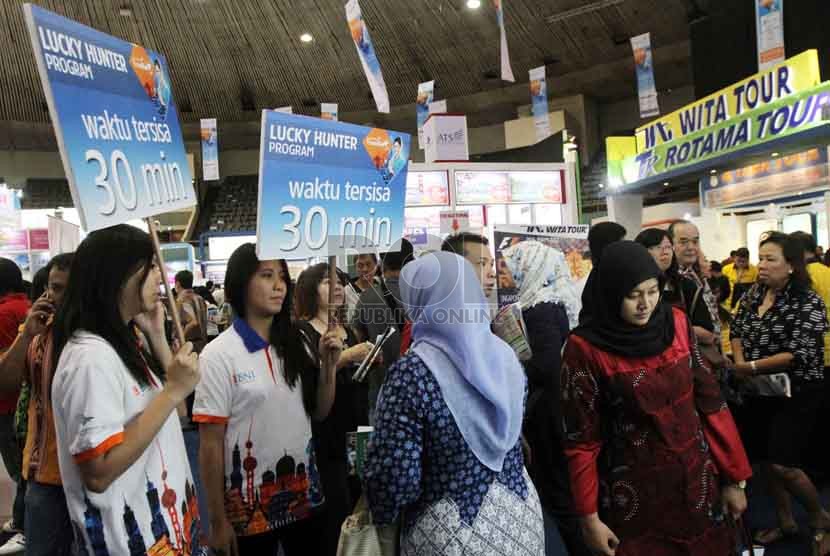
x,y
539,103
210,149
366,51
769,23
644,64
426,91
328,111
506,70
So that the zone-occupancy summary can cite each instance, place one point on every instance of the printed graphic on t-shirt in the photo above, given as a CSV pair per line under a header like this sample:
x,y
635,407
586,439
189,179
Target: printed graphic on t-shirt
x,y
289,490
180,538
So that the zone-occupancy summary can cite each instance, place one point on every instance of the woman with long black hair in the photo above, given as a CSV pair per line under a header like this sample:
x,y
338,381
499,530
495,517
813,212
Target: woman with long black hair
x,y
351,405
262,386
115,392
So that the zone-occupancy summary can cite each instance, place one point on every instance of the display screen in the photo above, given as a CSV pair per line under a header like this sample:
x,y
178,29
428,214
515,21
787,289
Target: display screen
x,y
427,188
508,187
477,188
222,247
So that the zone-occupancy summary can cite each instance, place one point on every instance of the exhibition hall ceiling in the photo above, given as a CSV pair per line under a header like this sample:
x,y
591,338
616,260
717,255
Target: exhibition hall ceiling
x,y
231,58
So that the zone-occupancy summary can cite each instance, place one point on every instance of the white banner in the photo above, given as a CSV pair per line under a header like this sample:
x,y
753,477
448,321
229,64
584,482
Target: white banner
x,y
368,58
506,70
539,103
64,237
644,64
769,18
438,107
210,149
328,111
426,91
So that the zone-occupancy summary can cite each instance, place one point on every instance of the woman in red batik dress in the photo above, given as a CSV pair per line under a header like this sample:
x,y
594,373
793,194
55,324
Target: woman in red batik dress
x,y
654,456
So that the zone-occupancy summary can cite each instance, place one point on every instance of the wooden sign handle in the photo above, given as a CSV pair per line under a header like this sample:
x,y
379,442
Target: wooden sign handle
x,y
177,322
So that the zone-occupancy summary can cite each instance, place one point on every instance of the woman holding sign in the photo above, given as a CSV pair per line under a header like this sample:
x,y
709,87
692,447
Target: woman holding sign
x,y
259,392
351,403
122,457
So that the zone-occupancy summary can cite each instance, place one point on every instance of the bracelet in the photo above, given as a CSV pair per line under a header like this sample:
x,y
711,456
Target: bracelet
x,y
753,367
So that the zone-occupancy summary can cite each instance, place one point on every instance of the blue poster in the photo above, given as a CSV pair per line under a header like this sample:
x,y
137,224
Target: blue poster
x,y
644,64
426,91
329,188
539,103
210,149
116,124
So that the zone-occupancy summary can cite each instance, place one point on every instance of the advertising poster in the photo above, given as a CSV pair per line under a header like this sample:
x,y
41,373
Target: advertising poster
x,y
9,208
769,19
115,121
368,57
506,70
427,188
539,103
328,111
426,91
64,237
329,188
570,241
644,66
210,149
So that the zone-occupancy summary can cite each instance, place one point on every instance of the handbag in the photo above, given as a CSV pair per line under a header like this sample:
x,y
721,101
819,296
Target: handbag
x,y
359,536
710,353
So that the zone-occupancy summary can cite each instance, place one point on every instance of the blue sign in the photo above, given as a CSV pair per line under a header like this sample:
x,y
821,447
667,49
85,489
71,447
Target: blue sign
x,y
328,188
116,124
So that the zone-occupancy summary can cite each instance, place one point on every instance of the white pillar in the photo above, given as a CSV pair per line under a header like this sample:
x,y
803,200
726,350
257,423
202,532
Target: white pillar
x,y
626,210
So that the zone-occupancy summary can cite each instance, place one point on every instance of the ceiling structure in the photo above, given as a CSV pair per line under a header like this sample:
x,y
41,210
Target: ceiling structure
x,y
231,58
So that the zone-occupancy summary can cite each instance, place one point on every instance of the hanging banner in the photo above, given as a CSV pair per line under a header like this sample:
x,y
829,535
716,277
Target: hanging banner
x,y
539,103
797,74
571,241
366,51
329,188
328,111
210,149
425,93
792,114
438,107
115,121
9,208
644,65
769,24
506,70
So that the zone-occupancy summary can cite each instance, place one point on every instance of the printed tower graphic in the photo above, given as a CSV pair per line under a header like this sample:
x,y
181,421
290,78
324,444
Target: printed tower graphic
x,y
135,540
168,500
159,526
95,529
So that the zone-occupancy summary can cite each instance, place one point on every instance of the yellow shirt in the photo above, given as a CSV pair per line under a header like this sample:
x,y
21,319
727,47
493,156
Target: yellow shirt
x,y
820,275
747,276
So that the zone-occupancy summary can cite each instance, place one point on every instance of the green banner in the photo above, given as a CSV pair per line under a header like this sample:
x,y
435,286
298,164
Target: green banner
x,y
793,114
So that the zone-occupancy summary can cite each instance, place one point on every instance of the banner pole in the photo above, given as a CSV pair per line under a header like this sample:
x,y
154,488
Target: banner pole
x,y
177,322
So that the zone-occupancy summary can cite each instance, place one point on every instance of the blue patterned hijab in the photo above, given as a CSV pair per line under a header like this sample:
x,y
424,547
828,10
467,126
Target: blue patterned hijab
x,y
480,377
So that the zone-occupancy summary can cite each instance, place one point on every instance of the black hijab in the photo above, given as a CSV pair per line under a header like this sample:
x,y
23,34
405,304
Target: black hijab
x,y
624,265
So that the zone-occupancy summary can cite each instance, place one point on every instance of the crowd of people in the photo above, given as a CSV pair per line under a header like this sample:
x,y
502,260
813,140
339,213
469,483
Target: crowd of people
x,y
646,403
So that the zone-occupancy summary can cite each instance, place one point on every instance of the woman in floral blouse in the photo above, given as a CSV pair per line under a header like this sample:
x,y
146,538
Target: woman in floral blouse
x,y
445,455
779,330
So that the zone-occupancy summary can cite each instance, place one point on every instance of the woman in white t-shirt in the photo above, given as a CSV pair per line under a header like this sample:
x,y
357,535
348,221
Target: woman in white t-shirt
x,y
122,457
259,391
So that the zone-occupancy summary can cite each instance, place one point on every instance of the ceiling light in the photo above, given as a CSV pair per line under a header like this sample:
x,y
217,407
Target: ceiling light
x,y
775,155
125,11
687,216
713,171
665,184
306,37
473,4
601,186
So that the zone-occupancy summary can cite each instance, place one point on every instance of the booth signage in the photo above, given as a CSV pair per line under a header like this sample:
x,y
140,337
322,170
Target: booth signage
x,y
455,221
115,121
790,175
445,137
795,113
798,74
328,187
210,149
